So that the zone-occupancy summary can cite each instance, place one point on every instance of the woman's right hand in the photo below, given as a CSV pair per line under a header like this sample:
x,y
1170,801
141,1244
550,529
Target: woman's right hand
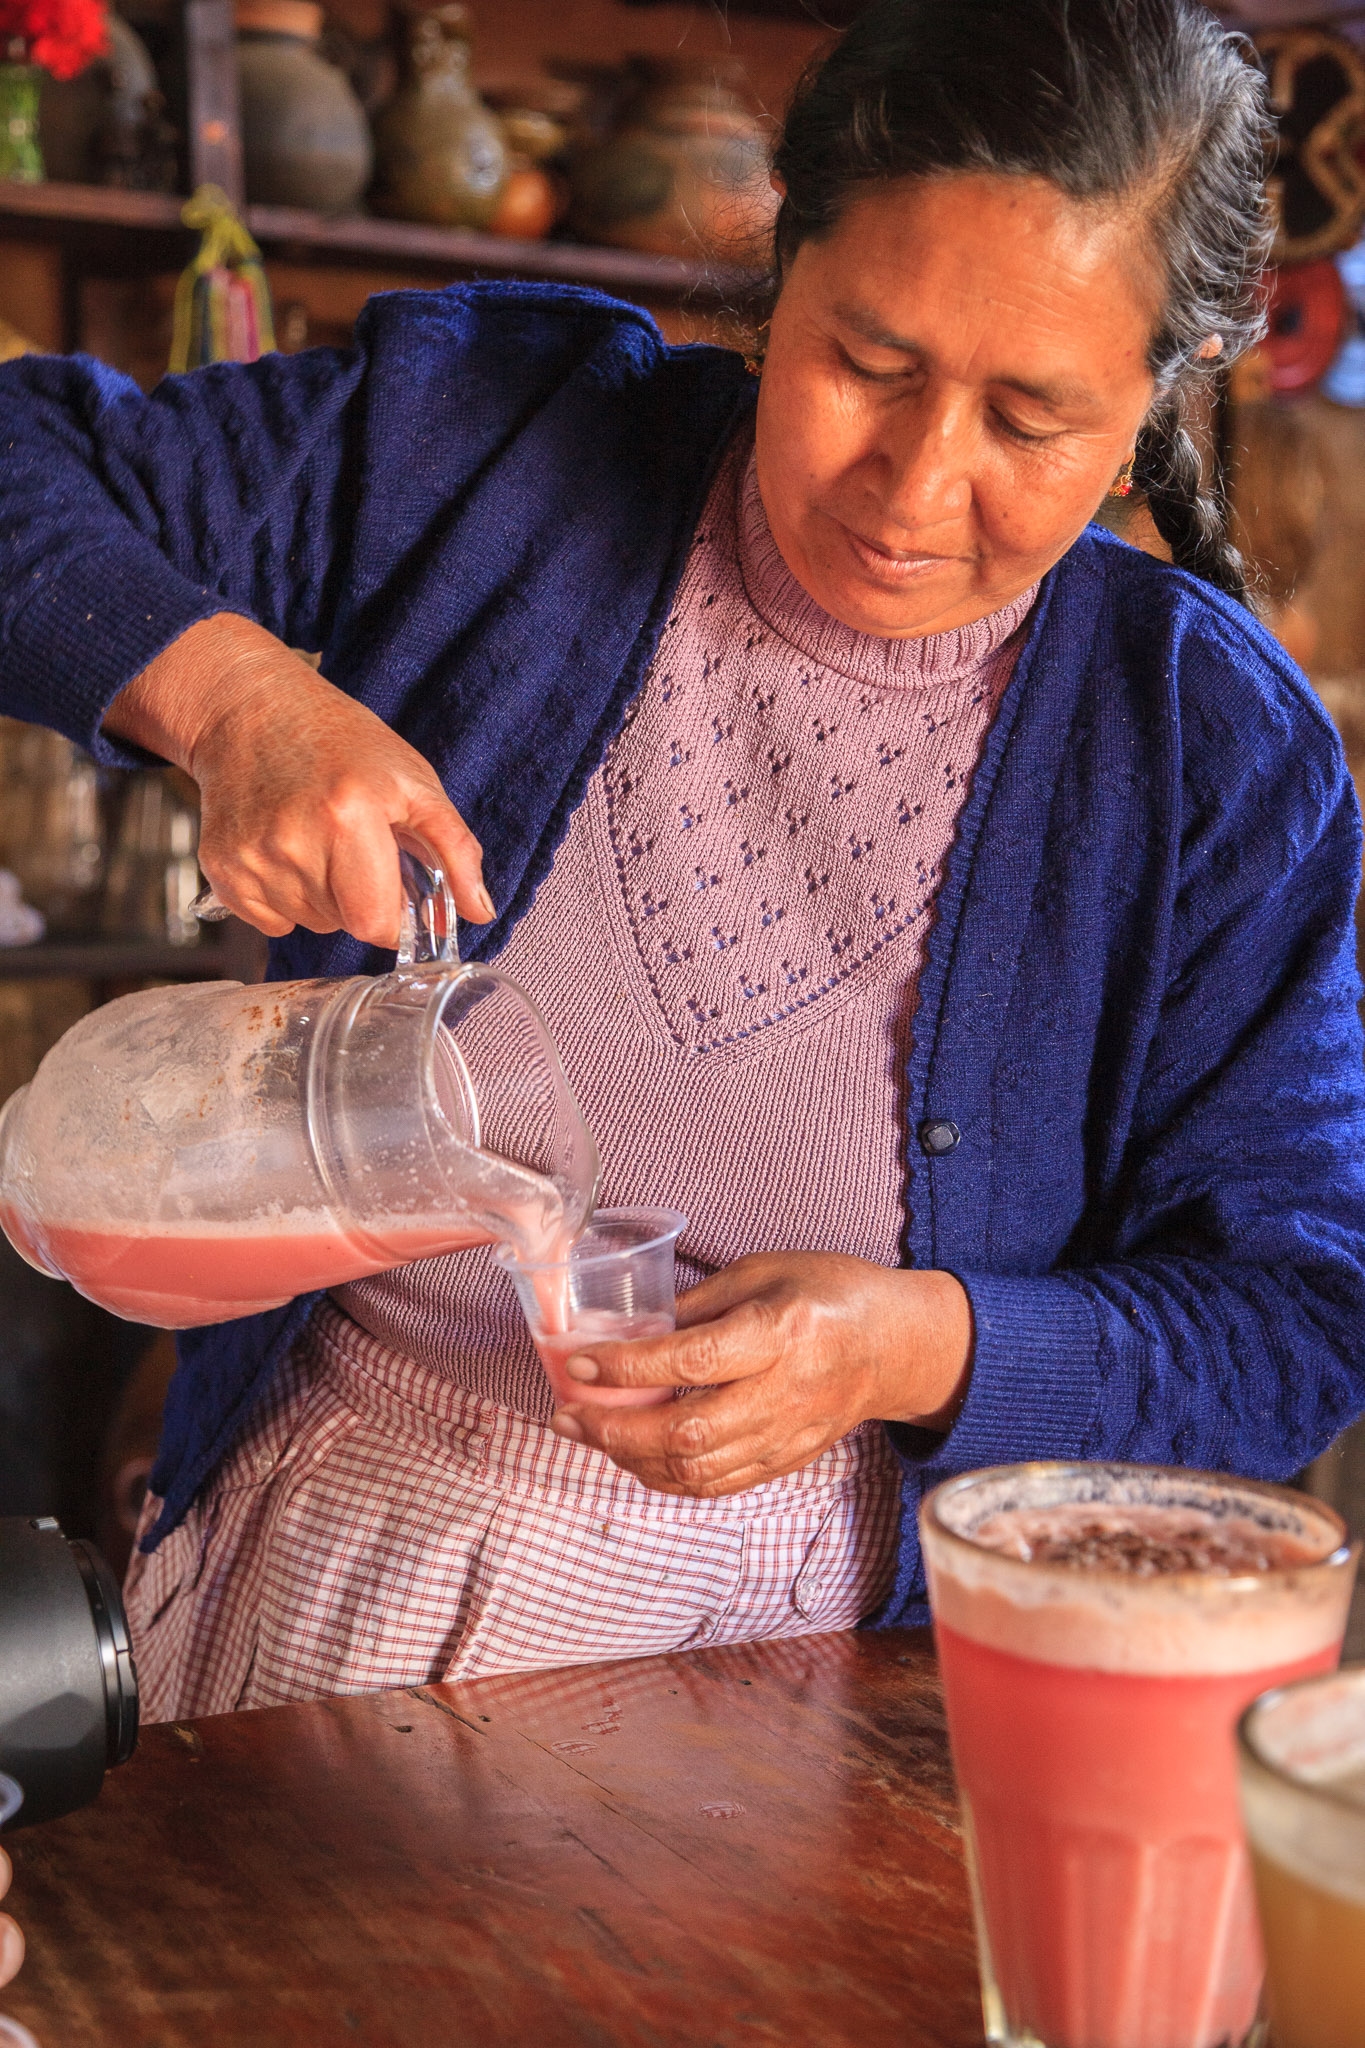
x,y
301,788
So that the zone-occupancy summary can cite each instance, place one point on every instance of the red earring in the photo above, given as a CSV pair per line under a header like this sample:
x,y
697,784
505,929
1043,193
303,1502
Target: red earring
x,y
1122,486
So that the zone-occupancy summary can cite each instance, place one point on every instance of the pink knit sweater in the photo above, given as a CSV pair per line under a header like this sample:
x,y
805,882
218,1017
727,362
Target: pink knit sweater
x,y
727,947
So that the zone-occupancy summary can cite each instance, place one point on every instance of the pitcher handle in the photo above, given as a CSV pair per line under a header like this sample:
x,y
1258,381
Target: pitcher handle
x,y
428,933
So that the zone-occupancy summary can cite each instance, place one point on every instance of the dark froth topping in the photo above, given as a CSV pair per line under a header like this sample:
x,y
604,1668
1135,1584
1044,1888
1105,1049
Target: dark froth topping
x,y
1143,1544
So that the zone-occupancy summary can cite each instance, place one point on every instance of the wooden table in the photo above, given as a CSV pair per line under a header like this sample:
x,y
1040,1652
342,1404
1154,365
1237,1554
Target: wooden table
x,y
749,1845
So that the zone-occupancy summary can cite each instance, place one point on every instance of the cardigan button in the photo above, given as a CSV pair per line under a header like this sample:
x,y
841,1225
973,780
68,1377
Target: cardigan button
x,y
938,1136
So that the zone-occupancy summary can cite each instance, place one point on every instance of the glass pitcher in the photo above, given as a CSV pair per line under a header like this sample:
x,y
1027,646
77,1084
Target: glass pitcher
x,y
188,1155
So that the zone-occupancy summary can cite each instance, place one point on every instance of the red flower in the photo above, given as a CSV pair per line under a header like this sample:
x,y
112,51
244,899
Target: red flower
x,y
61,35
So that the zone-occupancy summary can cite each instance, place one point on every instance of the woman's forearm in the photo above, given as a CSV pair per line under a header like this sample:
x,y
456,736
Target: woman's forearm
x,y
214,673
303,789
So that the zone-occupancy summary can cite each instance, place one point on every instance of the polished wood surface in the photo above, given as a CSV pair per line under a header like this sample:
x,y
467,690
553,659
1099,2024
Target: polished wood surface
x,y
755,1845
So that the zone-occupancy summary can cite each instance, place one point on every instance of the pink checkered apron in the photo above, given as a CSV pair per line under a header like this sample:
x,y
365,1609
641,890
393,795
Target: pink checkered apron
x,y
380,1526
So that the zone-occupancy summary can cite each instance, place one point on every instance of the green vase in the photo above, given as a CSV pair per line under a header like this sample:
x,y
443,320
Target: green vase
x,y
20,157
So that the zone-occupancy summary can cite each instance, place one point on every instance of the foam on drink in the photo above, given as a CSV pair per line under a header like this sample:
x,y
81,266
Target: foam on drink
x,y
1103,1584
1310,1740
1143,1540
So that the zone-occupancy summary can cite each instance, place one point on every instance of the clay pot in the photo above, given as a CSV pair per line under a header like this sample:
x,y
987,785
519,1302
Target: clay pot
x,y
534,115
529,206
304,138
441,155
685,172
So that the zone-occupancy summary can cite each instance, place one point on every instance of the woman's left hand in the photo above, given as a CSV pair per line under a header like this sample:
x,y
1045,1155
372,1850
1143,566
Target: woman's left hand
x,y
792,1350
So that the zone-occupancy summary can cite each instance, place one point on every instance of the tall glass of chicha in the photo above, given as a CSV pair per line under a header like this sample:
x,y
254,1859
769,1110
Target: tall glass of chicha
x,y
1100,1628
1302,1755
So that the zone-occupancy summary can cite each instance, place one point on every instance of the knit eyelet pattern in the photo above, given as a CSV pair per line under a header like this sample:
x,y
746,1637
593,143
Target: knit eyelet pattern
x,y
781,796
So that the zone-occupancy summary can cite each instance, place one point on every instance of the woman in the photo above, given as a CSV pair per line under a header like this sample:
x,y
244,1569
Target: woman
x,y
946,906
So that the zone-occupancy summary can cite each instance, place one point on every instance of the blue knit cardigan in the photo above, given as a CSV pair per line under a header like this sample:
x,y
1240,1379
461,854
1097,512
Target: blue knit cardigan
x,y
1138,1006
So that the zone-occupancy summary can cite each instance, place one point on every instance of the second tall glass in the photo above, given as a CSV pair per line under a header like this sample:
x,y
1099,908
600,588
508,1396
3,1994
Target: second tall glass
x,y
1302,1753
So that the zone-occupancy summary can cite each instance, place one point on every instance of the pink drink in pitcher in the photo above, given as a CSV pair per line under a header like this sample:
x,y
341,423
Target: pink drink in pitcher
x,y
1096,1652
177,1278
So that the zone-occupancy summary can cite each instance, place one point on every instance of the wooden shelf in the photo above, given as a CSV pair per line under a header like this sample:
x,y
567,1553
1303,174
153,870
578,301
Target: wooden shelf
x,y
106,960
365,239
362,239
58,205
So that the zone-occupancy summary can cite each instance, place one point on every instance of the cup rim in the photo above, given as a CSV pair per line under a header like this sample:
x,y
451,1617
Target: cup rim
x,y
1249,1749
1342,1553
667,1225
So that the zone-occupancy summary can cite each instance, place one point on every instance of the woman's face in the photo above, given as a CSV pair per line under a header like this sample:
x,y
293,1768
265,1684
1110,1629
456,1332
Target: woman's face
x,y
955,375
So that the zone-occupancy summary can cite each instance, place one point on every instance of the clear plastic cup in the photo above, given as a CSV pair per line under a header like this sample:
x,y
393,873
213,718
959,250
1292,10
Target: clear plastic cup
x,y
1301,1750
616,1282
1100,1628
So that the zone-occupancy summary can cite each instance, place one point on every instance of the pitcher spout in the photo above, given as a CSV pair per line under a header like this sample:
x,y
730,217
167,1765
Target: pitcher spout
x,y
438,1094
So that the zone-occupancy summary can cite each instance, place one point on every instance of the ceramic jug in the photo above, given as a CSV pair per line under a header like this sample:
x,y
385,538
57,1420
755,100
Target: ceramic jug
x,y
685,170
305,141
440,152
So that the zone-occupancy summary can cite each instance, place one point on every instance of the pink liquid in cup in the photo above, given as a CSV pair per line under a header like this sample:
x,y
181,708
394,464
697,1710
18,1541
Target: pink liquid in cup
x,y
613,1283
596,1326
1091,1702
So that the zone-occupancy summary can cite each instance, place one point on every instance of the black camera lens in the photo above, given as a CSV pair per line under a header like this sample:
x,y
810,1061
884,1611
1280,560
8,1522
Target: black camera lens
x,y
68,1688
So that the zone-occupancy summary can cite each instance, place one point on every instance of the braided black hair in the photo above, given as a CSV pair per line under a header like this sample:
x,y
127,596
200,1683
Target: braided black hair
x,y
1168,470
1149,101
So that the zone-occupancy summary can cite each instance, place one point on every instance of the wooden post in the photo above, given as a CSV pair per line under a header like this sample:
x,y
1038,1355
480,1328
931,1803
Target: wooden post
x,y
214,108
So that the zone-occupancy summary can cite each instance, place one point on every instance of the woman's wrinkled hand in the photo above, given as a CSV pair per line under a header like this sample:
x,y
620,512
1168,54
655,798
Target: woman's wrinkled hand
x,y
302,789
790,1351
11,1936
